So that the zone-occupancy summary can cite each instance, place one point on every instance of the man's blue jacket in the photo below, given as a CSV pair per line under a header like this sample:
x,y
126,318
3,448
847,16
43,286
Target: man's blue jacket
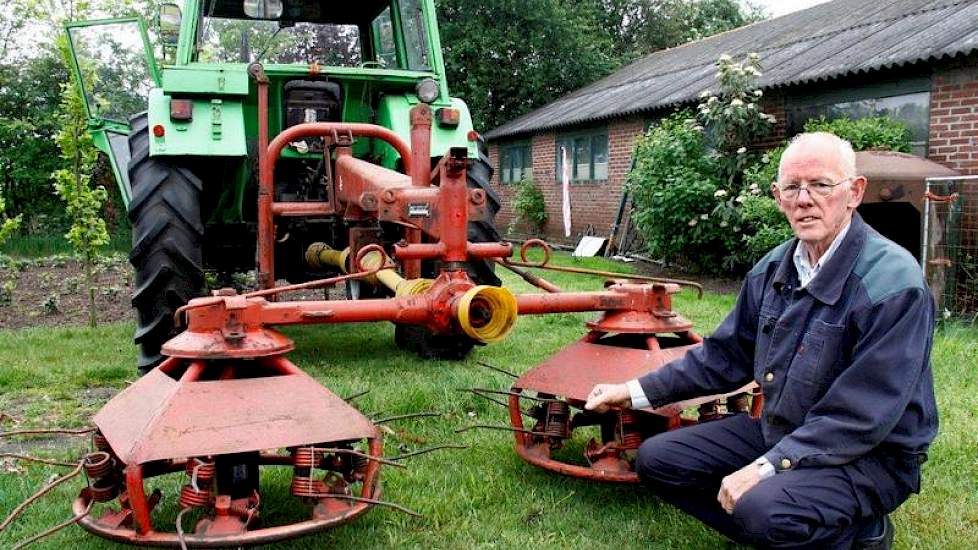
x,y
843,363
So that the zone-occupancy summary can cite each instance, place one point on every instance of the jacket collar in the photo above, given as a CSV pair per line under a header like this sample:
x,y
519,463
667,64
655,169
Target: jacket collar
x,y
828,285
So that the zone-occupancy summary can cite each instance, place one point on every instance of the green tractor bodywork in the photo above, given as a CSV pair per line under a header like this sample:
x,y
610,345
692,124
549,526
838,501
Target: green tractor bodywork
x,y
224,98
182,137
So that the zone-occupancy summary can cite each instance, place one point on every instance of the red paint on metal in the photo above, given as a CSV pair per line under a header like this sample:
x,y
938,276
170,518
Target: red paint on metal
x,y
269,154
159,418
573,371
137,498
266,184
420,174
110,526
297,209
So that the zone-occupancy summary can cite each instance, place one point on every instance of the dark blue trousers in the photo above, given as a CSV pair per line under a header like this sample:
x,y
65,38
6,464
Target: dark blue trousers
x,y
818,507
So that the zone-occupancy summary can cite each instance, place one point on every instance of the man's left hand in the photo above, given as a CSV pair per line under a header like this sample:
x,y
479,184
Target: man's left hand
x,y
737,484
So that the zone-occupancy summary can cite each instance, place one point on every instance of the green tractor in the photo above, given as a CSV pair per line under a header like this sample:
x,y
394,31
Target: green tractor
x,y
182,140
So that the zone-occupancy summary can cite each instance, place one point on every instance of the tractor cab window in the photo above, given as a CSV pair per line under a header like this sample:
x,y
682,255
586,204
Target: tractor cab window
x,y
415,40
301,34
308,31
384,44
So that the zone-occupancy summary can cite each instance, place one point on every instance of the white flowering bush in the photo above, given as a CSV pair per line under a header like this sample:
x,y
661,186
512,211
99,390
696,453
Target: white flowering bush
x,y
699,202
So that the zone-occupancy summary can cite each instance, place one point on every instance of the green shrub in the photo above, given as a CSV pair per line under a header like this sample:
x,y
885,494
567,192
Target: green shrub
x,y
690,180
768,224
675,189
529,204
878,132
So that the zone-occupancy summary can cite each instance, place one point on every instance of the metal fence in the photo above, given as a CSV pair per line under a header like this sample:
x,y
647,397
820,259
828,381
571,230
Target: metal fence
x,y
950,245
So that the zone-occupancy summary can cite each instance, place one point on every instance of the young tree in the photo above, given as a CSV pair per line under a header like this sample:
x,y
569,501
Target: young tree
x,y
83,202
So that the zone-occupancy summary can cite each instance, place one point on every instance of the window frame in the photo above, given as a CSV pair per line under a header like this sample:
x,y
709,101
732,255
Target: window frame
x,y
505,154
826,98
593,135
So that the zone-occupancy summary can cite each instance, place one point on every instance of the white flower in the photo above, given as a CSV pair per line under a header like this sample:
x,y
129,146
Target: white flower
x,y
725,57
741,151
723,224
704,216
705,93
741,198
736,103
753,187
947,313
765,159
720,193
758,93
693,222
751,106
698,128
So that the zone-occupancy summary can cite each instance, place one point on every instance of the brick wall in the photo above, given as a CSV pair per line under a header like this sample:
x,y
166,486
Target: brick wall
x,y
593,203
773,104
953,137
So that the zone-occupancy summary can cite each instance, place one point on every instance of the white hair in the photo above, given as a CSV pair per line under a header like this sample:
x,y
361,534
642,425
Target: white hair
x,y
842,147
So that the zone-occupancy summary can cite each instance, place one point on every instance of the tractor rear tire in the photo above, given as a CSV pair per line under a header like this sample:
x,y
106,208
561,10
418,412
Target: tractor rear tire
x,y
422,341
167,238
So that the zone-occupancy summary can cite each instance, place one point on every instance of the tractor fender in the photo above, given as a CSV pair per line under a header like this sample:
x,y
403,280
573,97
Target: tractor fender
x,y
394,113
216,128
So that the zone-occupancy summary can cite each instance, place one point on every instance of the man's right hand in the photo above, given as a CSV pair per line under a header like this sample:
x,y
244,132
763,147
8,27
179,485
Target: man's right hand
x,y
605,396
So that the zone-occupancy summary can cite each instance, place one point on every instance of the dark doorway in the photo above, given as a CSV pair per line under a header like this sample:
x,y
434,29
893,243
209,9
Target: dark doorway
x,y
897,221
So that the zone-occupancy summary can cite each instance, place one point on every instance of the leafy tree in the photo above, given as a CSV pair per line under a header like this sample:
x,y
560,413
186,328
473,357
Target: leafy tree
x,y
508,57
83,201
640,27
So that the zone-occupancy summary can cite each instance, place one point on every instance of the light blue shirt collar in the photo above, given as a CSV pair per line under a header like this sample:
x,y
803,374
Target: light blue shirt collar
x,y
807,271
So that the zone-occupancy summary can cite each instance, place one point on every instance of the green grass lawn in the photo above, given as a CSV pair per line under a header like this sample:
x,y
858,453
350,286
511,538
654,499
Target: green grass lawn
x,y
481,497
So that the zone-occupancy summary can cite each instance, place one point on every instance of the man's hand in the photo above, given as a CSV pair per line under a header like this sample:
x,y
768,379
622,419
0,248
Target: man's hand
x,y
604,396
737,484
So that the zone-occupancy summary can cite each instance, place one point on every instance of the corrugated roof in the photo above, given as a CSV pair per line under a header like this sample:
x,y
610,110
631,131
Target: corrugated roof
x,y
826,41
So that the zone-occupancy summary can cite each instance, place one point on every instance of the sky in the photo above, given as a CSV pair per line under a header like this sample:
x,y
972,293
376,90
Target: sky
x,y
776,8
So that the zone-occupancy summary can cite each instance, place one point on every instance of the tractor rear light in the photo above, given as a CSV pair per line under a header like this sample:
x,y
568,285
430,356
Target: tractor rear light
x,y
427,90
159,130
182,110
448,117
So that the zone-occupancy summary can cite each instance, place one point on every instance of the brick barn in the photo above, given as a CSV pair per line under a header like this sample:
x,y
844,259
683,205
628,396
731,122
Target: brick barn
x,y
913,60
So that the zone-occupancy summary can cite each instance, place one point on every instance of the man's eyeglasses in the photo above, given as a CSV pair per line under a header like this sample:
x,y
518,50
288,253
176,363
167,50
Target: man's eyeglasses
x,y
821,188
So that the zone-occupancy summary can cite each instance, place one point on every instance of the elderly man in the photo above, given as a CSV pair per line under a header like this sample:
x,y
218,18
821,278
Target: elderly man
x,y
836,326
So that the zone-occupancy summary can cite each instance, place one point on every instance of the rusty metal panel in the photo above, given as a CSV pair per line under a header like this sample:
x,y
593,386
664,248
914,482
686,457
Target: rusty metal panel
x,y
158,418
574,370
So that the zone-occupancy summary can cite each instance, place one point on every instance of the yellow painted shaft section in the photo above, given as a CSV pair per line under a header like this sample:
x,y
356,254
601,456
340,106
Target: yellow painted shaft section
x,y
487,313
319,255
392,279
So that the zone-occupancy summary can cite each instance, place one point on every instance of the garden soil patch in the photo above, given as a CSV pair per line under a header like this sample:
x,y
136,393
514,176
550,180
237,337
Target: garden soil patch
x,y
51,292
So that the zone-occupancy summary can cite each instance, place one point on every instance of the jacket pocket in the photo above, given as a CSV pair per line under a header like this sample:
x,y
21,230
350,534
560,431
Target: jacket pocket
x,y
768,318
818,353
